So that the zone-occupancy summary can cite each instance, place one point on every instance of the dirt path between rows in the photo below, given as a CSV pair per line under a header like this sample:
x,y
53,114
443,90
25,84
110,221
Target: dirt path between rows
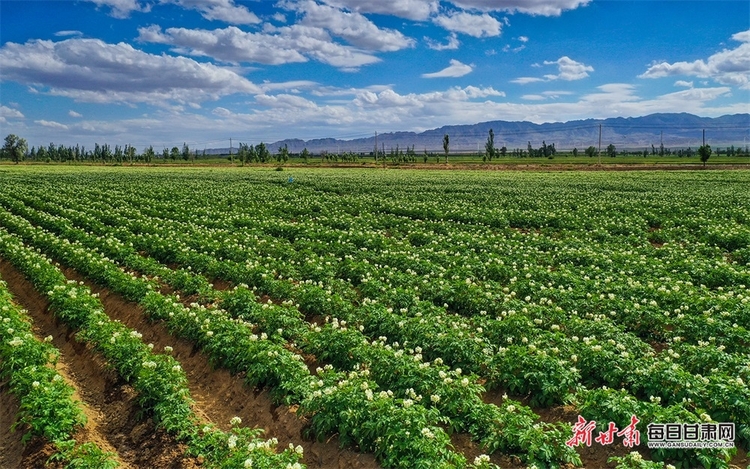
x,y
110,405
219,395
11,447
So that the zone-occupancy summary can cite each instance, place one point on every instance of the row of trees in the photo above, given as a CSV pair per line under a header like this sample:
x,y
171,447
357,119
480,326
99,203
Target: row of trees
x,y
16,149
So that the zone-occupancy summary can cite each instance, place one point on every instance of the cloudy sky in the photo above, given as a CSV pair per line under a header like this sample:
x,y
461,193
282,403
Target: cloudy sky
x,y
164,72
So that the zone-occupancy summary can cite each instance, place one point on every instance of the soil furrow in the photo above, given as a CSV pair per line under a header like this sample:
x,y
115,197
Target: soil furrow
x,y
219,395
11,447
111,408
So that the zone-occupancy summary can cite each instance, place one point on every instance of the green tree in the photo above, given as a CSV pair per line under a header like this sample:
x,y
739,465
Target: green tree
x,y
149,154
489,147
284,153
165,154
130,153
174,153
15,148
185,152
611,150
118,153
52,152
262,152
575,152
705,153
243,154
591,151
106,152
446,146
305,155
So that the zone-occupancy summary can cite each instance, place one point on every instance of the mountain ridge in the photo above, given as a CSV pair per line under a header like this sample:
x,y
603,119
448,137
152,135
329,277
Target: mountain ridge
x,y
675,130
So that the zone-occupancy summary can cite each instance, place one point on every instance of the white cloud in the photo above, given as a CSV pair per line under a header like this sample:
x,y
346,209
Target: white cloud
x,y
523,38
220,10
353,27
279,17
286,101
554,94
728,67
229,44
389,98
52,124
68,33
454,70
683,83
546,95
532,7
221,112
10,113
292,86
275,46
474,25
72,113
325,91
214,10
697,94
526,80
612,93
569,69
452,43
418,10
95,71
122,8
507,48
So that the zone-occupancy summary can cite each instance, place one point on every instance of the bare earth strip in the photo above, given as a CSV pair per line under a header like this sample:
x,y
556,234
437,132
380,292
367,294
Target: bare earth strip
x,y
219,395
11,448
111,408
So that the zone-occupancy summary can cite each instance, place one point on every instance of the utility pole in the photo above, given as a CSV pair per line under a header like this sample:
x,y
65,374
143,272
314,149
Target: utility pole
x,y
230,147
376,146
704,137
600,145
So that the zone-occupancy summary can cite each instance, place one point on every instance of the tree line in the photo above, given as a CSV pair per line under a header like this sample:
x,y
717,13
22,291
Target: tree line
x,y
16,149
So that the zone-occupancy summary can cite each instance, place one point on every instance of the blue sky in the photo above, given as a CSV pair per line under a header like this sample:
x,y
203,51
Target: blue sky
x,y
164,72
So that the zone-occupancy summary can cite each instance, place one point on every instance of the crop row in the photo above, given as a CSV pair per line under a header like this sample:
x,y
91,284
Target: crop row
x,y
630,362
267,362
46,408
276,285
400,370
157,378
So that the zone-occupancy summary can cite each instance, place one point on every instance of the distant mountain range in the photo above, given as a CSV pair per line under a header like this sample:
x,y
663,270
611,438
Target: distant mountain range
x,y
674,130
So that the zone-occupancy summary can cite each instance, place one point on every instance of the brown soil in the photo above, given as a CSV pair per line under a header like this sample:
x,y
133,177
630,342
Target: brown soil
x,y
11,448
219,395
109,403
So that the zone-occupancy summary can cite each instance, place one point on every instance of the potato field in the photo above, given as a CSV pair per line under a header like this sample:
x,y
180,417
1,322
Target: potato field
x,y
366,318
